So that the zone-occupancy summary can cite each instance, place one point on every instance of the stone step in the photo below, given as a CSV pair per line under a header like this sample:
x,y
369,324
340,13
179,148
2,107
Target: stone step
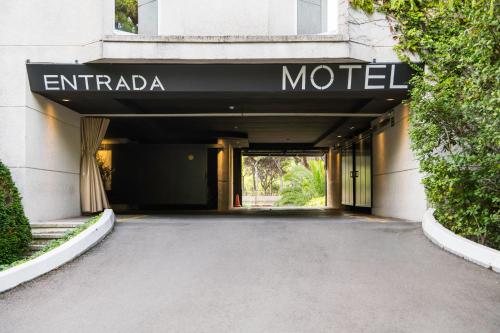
x,y
49,230
47,235
41,225
40,241
37,247
44,232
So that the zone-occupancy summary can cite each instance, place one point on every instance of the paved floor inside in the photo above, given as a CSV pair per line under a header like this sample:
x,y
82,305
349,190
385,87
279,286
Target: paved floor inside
x,y
258,273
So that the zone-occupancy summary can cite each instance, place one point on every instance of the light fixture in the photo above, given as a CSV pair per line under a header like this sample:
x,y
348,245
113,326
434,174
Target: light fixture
x,y
65,100
389,99
190,157
339,136
231,107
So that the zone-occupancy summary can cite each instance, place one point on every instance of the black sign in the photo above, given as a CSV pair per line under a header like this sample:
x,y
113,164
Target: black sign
x,y
159,78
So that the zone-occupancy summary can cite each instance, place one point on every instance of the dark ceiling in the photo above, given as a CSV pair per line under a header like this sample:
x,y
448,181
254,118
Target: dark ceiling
x,y
262,130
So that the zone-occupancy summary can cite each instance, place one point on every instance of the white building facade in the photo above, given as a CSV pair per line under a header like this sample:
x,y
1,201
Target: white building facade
x,y
40,137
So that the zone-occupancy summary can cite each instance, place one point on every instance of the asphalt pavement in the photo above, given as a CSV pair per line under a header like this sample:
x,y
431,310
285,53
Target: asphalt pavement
x,y
259,273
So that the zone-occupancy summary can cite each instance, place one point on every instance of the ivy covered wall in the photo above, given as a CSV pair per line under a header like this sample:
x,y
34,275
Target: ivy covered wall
x,y
454,106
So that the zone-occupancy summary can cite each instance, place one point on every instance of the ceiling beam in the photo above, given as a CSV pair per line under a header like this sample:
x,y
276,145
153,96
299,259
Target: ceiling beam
x,y
243,115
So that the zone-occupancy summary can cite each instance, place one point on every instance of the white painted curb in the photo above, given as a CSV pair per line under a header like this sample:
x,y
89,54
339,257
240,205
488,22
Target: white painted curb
x,y
60,255
462,247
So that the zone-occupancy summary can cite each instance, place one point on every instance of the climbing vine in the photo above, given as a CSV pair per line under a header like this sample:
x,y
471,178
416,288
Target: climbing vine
x,y
454,106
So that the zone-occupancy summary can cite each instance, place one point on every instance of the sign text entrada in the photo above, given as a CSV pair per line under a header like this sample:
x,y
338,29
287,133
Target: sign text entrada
x,y
102,82
319,77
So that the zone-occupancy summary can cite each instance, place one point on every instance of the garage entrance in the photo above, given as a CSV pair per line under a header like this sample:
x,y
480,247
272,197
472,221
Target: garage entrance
x,y
180,136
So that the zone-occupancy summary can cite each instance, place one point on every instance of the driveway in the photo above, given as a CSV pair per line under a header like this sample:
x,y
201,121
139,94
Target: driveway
x,y
256,273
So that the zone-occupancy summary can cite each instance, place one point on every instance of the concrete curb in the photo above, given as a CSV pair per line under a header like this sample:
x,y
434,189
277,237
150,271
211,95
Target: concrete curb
x,y
462,247
57,257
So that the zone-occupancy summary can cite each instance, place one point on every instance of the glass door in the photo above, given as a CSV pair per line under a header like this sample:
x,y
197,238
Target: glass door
x,y
357,173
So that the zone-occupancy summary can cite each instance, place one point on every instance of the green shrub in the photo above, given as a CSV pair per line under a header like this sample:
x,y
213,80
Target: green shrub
x,y
303,186
316,202
15,231
126,15
454,107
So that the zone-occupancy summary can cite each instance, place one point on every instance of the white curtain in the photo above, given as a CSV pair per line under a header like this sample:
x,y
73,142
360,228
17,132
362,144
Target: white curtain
x,y
92,194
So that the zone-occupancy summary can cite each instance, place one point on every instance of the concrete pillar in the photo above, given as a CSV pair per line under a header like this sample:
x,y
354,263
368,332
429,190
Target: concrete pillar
x,y
225,176
148,17
333,179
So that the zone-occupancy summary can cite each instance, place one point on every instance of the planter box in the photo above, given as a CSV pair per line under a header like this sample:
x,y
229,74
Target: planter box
x,y
462,247
57,257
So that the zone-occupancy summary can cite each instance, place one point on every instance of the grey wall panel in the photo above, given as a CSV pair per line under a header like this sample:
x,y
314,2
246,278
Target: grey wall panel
x,y
309,17
157,174
148,17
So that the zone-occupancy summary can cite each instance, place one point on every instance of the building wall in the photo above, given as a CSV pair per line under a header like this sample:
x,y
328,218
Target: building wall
x,y
252,31
40,139
148,17
227,17
373,34
397,188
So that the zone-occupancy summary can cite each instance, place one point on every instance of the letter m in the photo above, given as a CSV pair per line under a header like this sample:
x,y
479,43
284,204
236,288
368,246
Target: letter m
x,y
300,75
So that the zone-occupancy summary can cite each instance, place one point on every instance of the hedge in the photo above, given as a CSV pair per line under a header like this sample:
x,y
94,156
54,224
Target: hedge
x,y
454,106
15,231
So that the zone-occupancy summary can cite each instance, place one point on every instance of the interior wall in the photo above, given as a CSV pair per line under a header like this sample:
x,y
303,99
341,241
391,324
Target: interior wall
x,y
397,188
159,175
334,179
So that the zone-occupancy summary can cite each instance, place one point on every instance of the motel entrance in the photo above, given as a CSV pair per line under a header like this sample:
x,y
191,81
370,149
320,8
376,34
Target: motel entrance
x,y
174,136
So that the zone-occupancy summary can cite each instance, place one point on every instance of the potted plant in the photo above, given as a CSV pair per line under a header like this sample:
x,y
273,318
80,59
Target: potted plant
x,y
106,172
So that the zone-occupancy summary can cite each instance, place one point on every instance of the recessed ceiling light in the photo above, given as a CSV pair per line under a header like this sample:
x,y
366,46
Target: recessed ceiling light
x,y
390,99
231,107
65,100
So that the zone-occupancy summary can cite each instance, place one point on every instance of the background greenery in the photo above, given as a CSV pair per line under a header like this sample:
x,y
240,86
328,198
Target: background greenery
x,y
298,180
15,231
304,186
454,107
126,17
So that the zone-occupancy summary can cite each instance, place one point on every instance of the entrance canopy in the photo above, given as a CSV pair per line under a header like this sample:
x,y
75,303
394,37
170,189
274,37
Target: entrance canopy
x,y
310,105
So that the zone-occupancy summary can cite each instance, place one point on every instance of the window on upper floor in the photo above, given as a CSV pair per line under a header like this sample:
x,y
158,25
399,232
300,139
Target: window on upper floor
x,y
316,16
126,16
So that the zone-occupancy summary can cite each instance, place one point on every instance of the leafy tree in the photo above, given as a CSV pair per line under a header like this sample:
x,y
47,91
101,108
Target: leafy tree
x,y
454,107
126,15
15,232
269,170
250,168
266,173
304,186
